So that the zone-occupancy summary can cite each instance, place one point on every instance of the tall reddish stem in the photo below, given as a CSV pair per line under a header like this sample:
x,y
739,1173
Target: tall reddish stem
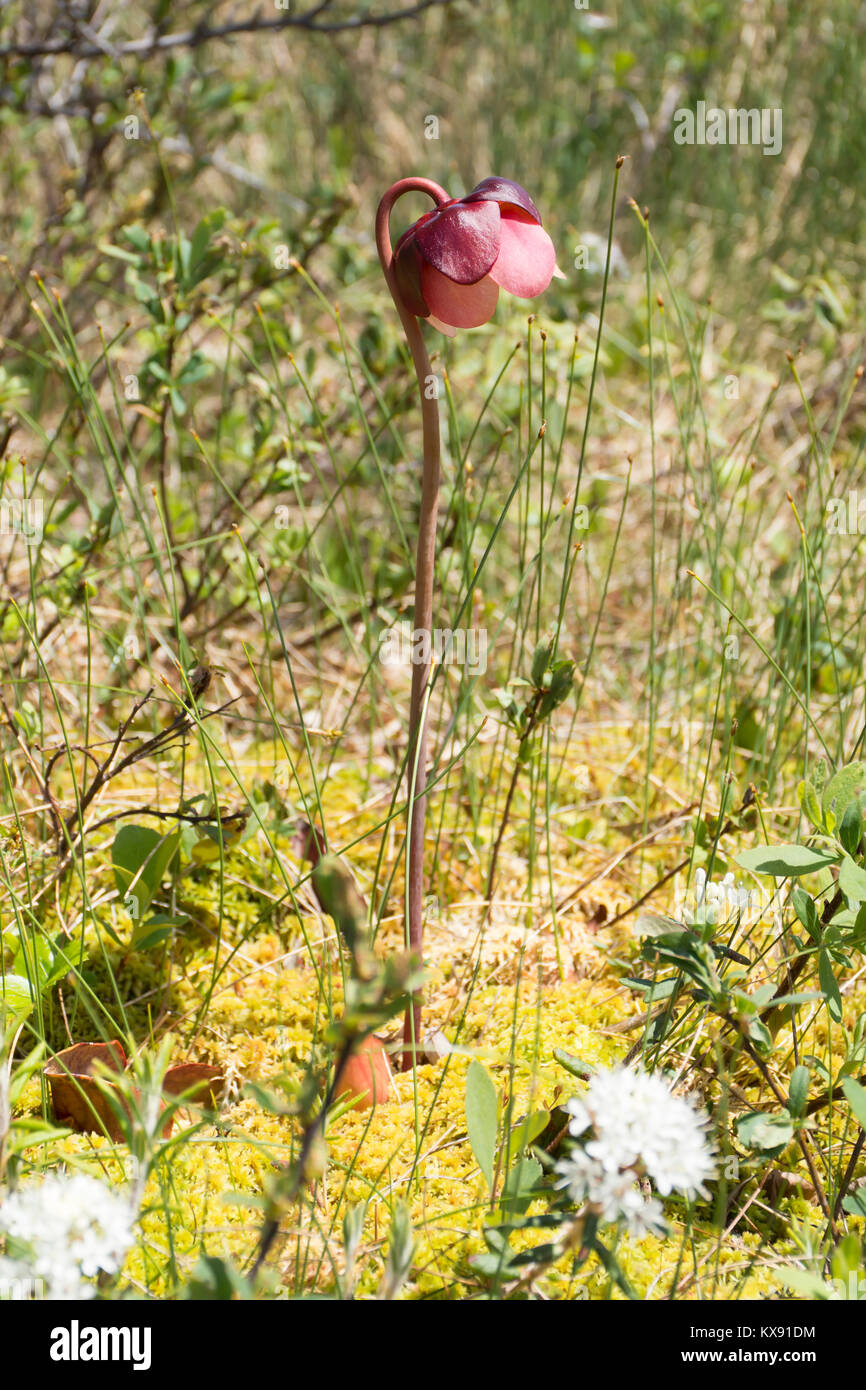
x,y
424,569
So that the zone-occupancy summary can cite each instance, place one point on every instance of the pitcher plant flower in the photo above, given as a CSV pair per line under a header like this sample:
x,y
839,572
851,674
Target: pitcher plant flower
x,y
448,268
450,265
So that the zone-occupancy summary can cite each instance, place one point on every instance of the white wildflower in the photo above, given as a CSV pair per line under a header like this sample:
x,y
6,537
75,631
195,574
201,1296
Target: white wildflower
x,y
614,1196
630,1124
73,1227
717,903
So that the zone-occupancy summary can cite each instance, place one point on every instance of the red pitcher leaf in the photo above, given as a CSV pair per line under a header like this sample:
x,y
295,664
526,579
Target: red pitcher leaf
x,y
81,1059
78,1099
81,1100
204,1083
308,842
367,1075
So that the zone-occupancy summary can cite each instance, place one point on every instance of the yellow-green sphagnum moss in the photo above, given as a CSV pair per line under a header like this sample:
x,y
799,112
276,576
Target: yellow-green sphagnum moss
x,y
264,1015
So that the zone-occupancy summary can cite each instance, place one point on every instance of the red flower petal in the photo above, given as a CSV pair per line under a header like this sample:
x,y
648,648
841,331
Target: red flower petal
x,y
461,241
508,194
460,306
526,260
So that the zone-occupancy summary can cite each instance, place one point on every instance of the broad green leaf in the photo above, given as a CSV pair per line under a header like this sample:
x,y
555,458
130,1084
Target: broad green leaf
x,y
855,1095
847,785
482,1118
785,861
765,1133
851,827
811,804
16,996
855,1203
798,1092
827,981
140,857
540,658
157,928
519,1188
809,1285
803,996
527,1130
807,912
852,881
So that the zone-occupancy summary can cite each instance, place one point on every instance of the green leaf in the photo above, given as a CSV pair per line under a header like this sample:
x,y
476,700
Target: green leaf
x,y
141,857
852,881
764,1133
855,1095
16,996
572,1064
785,861
204,232
811,804
148,934
851,827
540,658
527,1130
216,1279
827,981
798,1092
138,237
482,1118
811,1286
807,912
401,1248
520,1186
855,1203
848,784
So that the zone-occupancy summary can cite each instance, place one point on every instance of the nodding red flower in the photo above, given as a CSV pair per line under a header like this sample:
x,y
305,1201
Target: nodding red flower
x,y
451,263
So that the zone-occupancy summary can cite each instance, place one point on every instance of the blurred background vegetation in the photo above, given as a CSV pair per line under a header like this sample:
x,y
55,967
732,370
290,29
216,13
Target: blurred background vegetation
x,y
182,210
209,424
302,130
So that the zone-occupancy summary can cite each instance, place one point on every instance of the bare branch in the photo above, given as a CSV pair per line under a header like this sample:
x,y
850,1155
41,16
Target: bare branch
x,y
84,45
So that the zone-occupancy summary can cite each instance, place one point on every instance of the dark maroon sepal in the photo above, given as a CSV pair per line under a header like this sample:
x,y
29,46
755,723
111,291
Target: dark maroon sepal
x,y
508,194
407,273
461,241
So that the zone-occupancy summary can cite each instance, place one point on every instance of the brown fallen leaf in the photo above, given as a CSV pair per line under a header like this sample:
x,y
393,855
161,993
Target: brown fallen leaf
x,y
82,1102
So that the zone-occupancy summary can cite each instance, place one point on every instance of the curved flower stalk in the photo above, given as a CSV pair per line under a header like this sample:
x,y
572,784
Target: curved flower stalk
x,y
448,269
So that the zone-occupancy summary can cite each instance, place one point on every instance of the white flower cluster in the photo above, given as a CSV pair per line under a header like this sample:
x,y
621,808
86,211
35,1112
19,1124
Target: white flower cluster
x,y
630,1125
718,903
73,1228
